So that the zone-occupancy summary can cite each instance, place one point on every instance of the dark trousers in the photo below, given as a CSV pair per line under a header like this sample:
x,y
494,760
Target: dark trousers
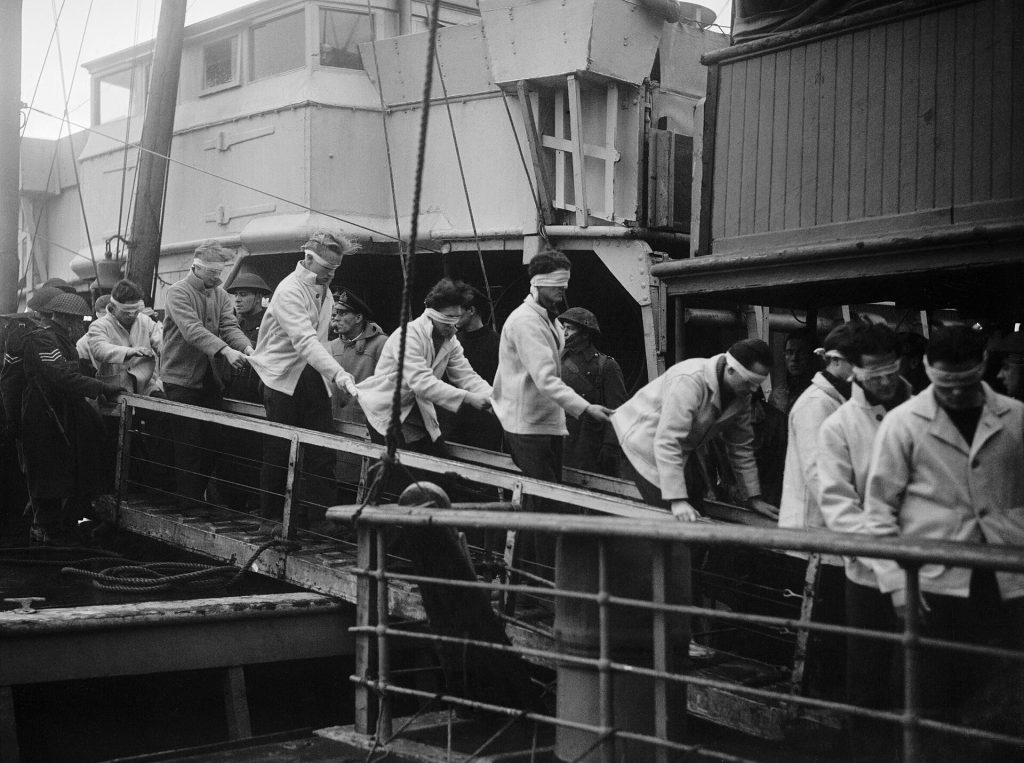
x,y
540,457
651,493
399,477
196,443
871,674
309,407
972,689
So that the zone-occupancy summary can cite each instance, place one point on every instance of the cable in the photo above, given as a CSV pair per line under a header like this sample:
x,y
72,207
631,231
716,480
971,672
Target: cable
x,y
238,183
67,118
465,191
395,425
42,67
384,126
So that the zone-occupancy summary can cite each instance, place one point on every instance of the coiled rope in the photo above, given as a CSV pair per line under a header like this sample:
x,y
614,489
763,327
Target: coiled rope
x,y
162,576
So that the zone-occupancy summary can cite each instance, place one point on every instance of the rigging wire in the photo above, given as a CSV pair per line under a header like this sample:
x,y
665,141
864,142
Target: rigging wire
x,y
465,191
42,67
67,119
387,139
127,137
534,194
239,184
395,426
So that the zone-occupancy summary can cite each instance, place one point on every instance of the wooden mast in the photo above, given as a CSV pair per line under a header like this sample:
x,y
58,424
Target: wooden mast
x,y
157,131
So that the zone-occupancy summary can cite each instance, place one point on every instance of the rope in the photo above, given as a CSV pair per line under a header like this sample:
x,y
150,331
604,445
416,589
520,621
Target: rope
x,y
67,119
42,67
162,576
384,127
127,136
465,191
526,170
237,183
394,428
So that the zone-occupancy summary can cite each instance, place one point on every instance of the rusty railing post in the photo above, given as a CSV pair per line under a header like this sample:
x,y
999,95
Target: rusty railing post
x,y
383,658
291,489
659,621
124,445
606,690
911,667
366,605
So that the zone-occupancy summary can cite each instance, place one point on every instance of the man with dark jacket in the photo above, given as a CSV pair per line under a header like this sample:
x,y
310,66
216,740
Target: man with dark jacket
x,y
248,291
62,447
590,445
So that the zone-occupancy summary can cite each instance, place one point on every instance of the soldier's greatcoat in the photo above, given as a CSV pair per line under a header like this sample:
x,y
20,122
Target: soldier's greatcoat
x,y
62,434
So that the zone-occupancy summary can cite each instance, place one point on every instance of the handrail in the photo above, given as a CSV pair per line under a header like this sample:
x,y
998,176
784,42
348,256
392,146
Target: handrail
x,y
485,475
907,550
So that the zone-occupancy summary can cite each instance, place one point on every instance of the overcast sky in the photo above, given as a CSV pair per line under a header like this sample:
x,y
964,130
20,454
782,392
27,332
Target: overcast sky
x,y
110,26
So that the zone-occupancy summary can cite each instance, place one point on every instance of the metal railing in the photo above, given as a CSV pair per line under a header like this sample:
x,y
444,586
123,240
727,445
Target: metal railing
x,y
380,575
375,633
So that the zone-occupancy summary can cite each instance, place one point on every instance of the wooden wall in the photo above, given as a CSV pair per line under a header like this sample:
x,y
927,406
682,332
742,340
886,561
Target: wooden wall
x,y
906,125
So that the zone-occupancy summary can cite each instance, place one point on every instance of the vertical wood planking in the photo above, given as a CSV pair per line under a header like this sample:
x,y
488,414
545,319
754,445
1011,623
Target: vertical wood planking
x,y
876,122
734,172
963,104
794,147
723,137
926,114
809,168
891,118
1016,97
1002,101
765,144
842,117
777,201
748,159
984,90
859,122
909,114
825,180
944,75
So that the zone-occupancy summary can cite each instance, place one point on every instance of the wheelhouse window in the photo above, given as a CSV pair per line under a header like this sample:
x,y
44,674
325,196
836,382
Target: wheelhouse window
x,y
220,64
279,45
340,35
114,93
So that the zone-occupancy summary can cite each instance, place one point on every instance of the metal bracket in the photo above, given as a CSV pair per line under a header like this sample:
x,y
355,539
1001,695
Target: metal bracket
x,y
26,603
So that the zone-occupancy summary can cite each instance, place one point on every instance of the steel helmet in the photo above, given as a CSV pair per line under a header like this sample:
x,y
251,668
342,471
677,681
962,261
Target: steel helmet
x,y
581,317
248,281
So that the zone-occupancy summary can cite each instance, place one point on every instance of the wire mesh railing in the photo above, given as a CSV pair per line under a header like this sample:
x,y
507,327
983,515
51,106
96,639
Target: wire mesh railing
x,y
731,610
634,659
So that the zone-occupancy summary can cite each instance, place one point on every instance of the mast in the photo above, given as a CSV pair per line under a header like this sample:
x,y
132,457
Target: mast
x,y
157,131
10,151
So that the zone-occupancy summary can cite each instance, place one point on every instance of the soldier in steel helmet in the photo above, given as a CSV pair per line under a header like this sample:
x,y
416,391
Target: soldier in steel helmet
x,y
590,445
62,461
248,291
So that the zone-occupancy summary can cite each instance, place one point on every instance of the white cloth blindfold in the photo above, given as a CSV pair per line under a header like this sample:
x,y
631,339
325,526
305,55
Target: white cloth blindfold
x,y
555,278
320,260
955,379
436,315
127,305
745,373
216,267
876,372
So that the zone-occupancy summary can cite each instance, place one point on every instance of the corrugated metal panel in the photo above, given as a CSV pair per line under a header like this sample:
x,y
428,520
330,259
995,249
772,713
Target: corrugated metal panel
x,y
910,123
